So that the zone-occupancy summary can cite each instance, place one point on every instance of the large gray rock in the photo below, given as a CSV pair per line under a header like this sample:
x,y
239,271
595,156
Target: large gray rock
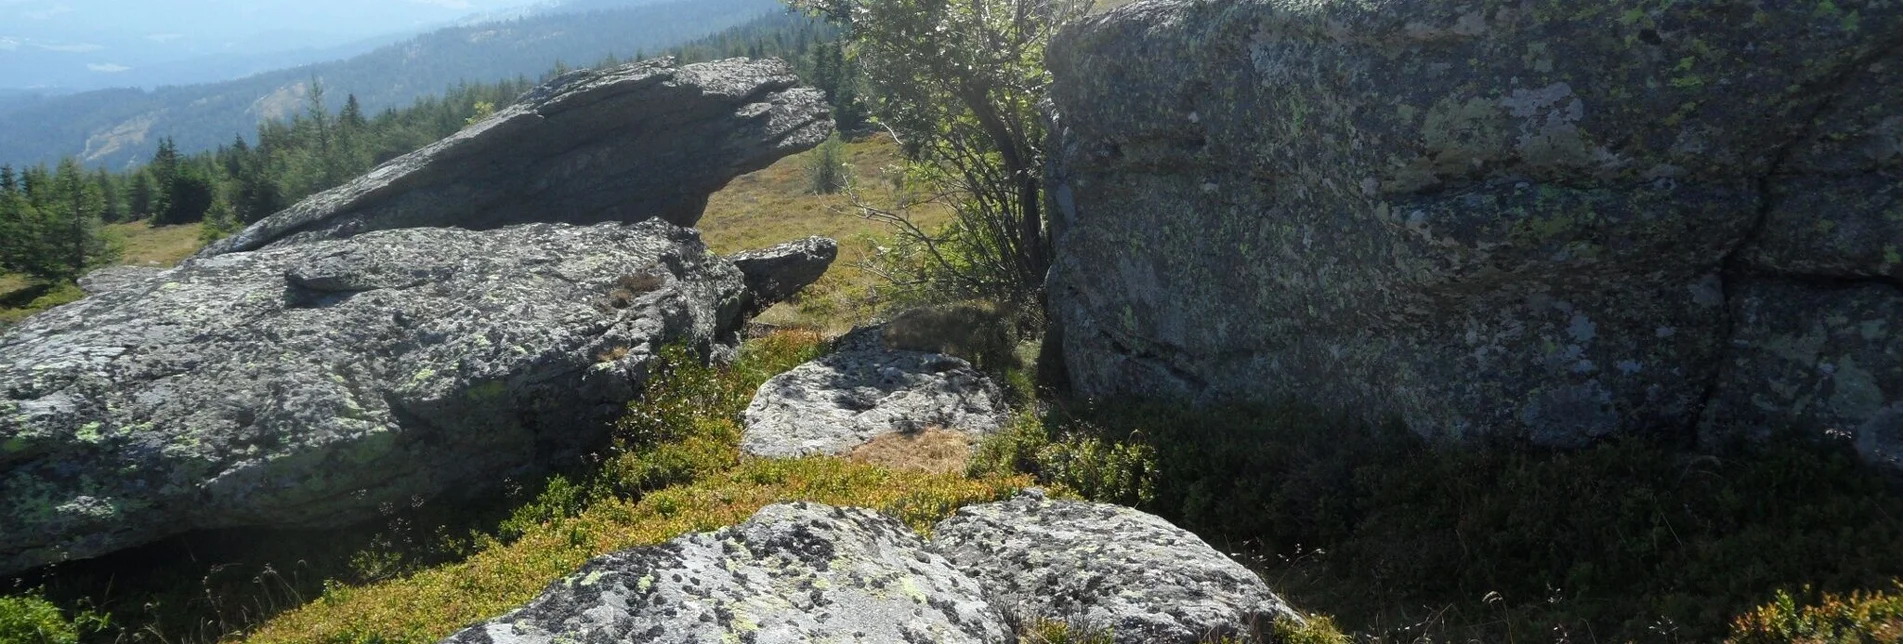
x,y
1551,223
793,573
777,273
648,139
114,277
307,385
844,400
1104,567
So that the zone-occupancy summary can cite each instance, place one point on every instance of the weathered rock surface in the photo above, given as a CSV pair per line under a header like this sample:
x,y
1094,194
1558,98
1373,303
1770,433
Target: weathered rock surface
x,y
1102,566
775,274
114,277
306,385
841,401
648,139
793,573
1545,222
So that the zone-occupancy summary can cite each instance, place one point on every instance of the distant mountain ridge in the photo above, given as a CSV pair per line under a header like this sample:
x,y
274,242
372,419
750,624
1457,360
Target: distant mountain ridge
x,y
119,127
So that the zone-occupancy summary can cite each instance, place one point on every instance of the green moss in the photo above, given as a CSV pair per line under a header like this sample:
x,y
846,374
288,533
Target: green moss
x,y
487,391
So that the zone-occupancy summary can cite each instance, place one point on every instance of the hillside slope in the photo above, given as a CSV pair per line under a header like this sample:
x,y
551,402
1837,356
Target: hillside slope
x,y
113,128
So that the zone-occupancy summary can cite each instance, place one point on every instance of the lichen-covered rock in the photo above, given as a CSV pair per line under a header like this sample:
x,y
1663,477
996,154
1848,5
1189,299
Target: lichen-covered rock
x,y
1101,566
307,385
1540,221
1824,359
841,401
793,573
777,273
113,277
647,139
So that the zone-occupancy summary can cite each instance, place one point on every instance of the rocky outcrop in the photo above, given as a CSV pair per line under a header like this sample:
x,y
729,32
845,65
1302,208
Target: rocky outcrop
x,y
307,385
648,139
1106,568
775,274
1550,223
844,400
793,573
806,572
114,277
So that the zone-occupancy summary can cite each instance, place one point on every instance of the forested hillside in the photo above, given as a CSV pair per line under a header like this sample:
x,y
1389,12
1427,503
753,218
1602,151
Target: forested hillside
x,y
117,128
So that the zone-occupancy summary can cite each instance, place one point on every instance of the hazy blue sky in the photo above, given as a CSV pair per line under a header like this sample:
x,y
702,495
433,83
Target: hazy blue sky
x,y
114,37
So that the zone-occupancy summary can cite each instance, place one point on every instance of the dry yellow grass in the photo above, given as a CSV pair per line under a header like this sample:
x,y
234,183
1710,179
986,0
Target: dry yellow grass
x,y
934,450
161,246
773,206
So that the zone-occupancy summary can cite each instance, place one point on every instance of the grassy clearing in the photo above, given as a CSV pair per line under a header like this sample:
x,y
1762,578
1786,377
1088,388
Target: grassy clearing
x,y
143,245
147,245
777,205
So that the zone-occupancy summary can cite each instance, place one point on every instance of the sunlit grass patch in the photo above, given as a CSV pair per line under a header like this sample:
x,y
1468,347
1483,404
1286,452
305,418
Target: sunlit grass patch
x,y
160,246
777,205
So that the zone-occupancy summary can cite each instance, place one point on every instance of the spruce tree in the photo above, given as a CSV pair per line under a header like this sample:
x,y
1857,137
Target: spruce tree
x,y
19,235
188,197
165,166
113,208
145,194
62,240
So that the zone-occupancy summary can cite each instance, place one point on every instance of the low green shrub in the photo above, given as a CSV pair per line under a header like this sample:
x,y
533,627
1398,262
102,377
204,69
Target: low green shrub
x,y
828,170
1858,618
1627,540
30,619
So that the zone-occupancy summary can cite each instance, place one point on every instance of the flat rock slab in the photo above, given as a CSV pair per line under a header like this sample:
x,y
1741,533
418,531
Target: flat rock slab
x,y
801,572
844,400
647,139
1100,566
305,386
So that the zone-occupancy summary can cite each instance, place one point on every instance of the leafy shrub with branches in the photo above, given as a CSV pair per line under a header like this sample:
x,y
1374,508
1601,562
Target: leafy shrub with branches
x,y
959,83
